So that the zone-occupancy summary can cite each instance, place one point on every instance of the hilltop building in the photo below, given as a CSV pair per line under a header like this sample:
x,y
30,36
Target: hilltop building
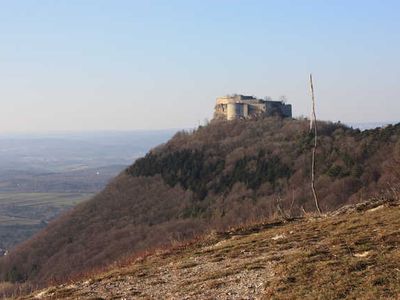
x,y
246,107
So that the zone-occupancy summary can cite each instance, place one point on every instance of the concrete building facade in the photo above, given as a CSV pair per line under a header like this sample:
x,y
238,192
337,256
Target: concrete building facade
x,y
246,107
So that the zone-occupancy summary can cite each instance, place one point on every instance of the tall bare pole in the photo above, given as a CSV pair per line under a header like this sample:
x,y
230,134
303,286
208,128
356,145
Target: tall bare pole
x,y
313,123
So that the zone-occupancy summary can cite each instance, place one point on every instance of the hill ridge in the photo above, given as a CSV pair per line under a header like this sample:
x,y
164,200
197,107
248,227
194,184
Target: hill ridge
x,y
216,177
256,262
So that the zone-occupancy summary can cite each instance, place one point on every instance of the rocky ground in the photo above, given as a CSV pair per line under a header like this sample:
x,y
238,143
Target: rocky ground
x,y
352,254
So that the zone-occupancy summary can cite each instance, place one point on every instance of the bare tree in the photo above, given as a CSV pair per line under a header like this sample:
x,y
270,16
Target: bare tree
x,y
313,124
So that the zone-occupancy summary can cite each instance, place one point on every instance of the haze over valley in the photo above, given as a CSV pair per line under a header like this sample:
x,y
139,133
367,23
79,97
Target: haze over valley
x,y
42,175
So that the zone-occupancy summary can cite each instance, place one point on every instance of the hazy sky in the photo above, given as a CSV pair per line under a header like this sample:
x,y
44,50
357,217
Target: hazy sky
x,y
87,65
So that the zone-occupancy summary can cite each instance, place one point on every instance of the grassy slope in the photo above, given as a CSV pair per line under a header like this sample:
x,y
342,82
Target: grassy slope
x,y
353,254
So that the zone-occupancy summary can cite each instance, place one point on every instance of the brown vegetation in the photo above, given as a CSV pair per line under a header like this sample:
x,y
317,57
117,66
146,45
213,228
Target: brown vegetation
x,y
220,175
350,254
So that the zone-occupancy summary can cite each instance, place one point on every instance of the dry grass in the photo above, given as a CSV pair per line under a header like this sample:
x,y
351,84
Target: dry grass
x,y
351,255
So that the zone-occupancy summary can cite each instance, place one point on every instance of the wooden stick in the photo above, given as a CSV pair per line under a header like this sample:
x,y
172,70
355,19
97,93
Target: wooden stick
x,y
314,149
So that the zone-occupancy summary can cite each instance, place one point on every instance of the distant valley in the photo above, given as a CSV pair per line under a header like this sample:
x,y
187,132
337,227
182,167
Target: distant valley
x,y
43,175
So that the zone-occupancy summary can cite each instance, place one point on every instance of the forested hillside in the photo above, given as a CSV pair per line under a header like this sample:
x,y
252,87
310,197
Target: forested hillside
x,y
220,175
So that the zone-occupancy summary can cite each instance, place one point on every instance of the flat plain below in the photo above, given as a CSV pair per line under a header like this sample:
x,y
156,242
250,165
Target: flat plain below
x,y
22,214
